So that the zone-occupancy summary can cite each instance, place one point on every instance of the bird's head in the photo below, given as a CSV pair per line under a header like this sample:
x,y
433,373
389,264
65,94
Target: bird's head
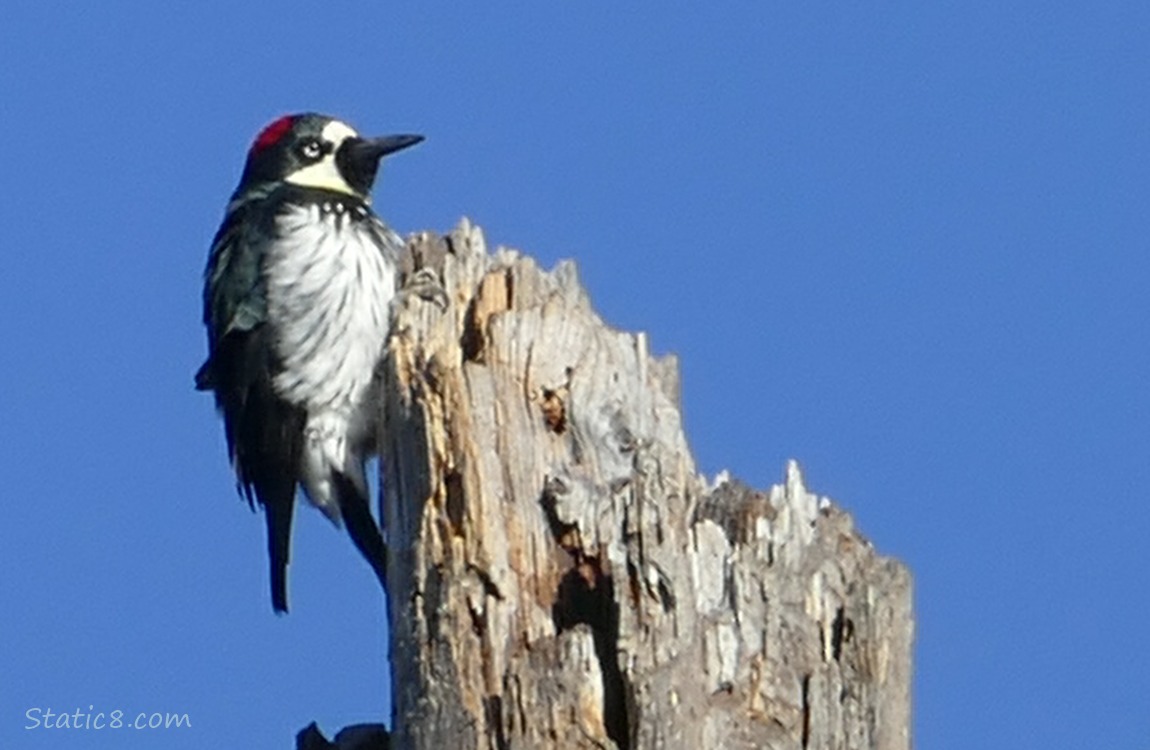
x,y
316,151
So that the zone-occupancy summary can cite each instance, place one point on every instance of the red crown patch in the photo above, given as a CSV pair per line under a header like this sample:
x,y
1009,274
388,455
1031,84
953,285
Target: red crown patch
x,y
272,134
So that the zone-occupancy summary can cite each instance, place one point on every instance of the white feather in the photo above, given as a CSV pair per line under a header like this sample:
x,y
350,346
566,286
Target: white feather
x,y
330,282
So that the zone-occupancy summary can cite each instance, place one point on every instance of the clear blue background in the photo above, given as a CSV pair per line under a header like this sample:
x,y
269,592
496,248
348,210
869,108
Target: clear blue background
x,y
904,243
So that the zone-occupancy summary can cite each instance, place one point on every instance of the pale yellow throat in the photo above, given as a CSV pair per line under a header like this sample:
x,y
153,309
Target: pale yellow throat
x,y
324,174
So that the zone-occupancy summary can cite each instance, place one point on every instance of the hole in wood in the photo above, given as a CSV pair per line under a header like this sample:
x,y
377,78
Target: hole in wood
x,y
554,411
842,629
586,596
453,487
472,340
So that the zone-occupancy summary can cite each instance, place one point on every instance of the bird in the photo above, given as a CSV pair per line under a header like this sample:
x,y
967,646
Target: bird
x,y
296,297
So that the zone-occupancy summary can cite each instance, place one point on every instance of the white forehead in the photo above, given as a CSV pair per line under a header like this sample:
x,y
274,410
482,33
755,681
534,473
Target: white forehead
x,y
337,132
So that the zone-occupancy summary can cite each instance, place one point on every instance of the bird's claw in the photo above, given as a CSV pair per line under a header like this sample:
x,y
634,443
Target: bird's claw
x,y
425,284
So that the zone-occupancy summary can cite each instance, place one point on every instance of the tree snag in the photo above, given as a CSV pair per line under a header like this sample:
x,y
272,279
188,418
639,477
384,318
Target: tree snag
x,y
562,577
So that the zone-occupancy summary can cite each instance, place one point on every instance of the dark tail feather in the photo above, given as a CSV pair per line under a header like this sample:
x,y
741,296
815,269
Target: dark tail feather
x,y
361,525
265,436
279,517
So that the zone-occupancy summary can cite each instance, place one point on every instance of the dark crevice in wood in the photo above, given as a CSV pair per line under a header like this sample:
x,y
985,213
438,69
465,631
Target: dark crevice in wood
x,y
488,582
586,596
842,629
806,710
666,595
478,624
453,486
471,343
493,713
432,595
509,277
565,534
634,585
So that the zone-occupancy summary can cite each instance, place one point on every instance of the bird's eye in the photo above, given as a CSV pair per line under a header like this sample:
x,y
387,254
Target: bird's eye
x,y
311,149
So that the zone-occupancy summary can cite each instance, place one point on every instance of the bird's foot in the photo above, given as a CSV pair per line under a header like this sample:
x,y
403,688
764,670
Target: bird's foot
x,y
426,285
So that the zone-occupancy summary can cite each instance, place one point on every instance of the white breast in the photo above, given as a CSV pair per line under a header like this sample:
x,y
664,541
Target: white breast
x,y
330,281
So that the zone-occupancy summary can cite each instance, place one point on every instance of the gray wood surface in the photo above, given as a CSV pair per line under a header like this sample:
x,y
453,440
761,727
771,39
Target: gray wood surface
x,y
563,577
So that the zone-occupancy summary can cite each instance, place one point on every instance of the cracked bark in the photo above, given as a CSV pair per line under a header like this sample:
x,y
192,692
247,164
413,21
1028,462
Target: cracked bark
x,y
562,577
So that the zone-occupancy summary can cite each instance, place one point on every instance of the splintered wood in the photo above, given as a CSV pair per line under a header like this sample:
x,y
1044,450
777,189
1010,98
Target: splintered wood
x,y
562,577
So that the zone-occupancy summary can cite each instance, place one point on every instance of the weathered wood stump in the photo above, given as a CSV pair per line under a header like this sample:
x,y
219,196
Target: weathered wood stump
x,y
562,577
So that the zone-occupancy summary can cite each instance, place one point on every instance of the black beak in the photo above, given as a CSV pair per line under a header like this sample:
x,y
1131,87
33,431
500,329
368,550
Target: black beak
x,y
389,144
358,158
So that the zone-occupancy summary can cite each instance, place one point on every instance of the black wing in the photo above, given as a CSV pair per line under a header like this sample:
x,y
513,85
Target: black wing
x,y
264,432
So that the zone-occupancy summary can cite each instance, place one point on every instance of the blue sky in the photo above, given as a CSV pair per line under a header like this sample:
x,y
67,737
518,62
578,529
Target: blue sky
x,y
905,244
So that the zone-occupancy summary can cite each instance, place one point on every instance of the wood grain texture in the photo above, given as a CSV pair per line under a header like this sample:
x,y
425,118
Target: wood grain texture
x,y
561,575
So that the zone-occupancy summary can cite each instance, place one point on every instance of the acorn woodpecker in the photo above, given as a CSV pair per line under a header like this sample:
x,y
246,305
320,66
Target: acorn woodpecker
x,y
297,290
